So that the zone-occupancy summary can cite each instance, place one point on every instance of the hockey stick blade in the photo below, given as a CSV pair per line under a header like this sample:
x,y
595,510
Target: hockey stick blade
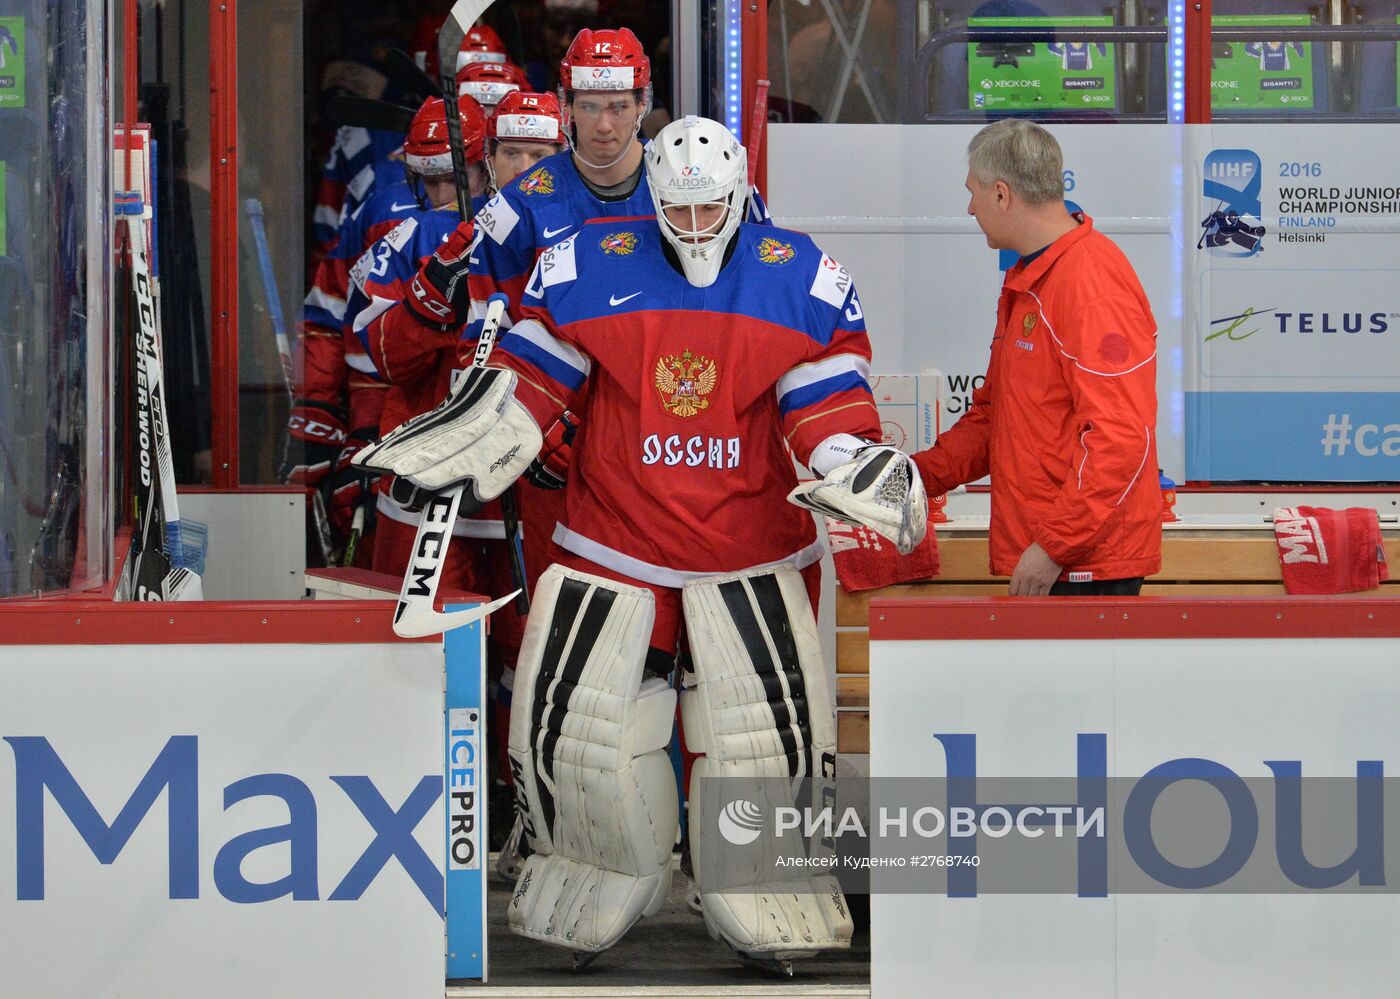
x,y
417,622
415,616
408,76
367,112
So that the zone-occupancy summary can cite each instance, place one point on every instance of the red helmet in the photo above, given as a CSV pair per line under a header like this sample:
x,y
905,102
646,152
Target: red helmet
x,y
426,151
527,117
482,44
605,59
488,82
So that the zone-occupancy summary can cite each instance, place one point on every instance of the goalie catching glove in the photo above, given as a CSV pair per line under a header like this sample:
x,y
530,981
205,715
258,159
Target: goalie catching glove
x,y
479,436
879,488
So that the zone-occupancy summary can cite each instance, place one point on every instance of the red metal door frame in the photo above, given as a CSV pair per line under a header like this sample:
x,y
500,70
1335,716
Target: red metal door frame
x,y
1197,110
753,32
223,239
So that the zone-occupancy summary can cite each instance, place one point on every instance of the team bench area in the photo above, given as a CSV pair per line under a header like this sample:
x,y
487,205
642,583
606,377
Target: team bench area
x,y
1195,563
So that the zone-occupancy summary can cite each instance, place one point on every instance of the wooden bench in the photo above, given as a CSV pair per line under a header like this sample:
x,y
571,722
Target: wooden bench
x,y
1194,563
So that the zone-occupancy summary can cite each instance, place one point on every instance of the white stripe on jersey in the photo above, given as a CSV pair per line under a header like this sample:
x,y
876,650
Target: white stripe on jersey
x,y
361,183
326,215
478,311
376,307
361,362
320,300
660,575
536,334
464,528
350,140
807,374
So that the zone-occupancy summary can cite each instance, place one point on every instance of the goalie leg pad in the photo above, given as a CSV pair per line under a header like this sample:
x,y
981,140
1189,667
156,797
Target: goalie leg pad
x,y
479,433
761,707
587,747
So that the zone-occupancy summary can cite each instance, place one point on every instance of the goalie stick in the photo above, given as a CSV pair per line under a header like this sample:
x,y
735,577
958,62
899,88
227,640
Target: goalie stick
x,y
463,15
156,573
415,616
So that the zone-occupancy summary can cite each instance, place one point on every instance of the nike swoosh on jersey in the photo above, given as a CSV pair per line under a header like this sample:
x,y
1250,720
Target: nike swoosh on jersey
x,y
614,300
551,233
396,207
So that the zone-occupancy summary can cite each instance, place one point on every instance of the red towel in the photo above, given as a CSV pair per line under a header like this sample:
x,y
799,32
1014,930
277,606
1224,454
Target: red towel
x,y
866,561
1330,551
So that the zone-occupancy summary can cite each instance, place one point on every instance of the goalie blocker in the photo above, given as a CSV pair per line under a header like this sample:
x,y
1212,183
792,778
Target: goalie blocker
x,y
479,436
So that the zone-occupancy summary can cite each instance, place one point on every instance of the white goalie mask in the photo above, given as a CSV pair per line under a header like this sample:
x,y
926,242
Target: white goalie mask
x,y
697,163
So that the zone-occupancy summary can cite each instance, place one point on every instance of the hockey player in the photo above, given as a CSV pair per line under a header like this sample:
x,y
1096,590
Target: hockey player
x,y
524,129
341,397
712,352
360,160
488,82
605,91
408,307
481,44
408,323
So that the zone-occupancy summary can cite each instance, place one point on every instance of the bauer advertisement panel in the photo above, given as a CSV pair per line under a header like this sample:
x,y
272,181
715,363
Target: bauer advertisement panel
x,y
1293,305
1232,718
222,820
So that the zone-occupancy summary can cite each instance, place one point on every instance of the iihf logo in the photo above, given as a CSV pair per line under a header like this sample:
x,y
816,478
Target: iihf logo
x,y
1230,204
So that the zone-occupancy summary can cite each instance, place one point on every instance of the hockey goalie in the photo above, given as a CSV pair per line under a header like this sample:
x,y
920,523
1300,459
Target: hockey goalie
x,y
713,350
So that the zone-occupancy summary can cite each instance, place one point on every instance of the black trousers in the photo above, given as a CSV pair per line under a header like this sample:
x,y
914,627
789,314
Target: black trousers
x,y
1099,588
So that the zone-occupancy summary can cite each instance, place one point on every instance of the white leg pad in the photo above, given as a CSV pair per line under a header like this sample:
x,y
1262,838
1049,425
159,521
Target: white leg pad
x,y
593,781
761,707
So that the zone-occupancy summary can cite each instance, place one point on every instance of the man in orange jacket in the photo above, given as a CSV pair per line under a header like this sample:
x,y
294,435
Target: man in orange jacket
x,y
1066,420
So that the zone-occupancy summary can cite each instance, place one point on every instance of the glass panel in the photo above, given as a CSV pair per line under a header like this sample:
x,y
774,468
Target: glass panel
x,y
175,101
55,518
1292,61
271,272
881,61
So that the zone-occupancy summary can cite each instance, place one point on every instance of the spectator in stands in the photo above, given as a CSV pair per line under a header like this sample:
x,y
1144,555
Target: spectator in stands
x,y
1066,420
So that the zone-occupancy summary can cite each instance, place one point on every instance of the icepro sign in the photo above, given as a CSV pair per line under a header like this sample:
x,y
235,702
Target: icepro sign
x,y
1126,726
222,820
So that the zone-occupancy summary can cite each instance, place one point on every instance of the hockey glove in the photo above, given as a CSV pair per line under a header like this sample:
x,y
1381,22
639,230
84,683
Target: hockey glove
x,y
347,485
479,436
438,294
551,469
413,498
880,488
316,433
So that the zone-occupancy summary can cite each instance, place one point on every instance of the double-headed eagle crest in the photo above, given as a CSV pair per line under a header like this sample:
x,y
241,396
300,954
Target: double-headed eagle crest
x,y
684,381
541,181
